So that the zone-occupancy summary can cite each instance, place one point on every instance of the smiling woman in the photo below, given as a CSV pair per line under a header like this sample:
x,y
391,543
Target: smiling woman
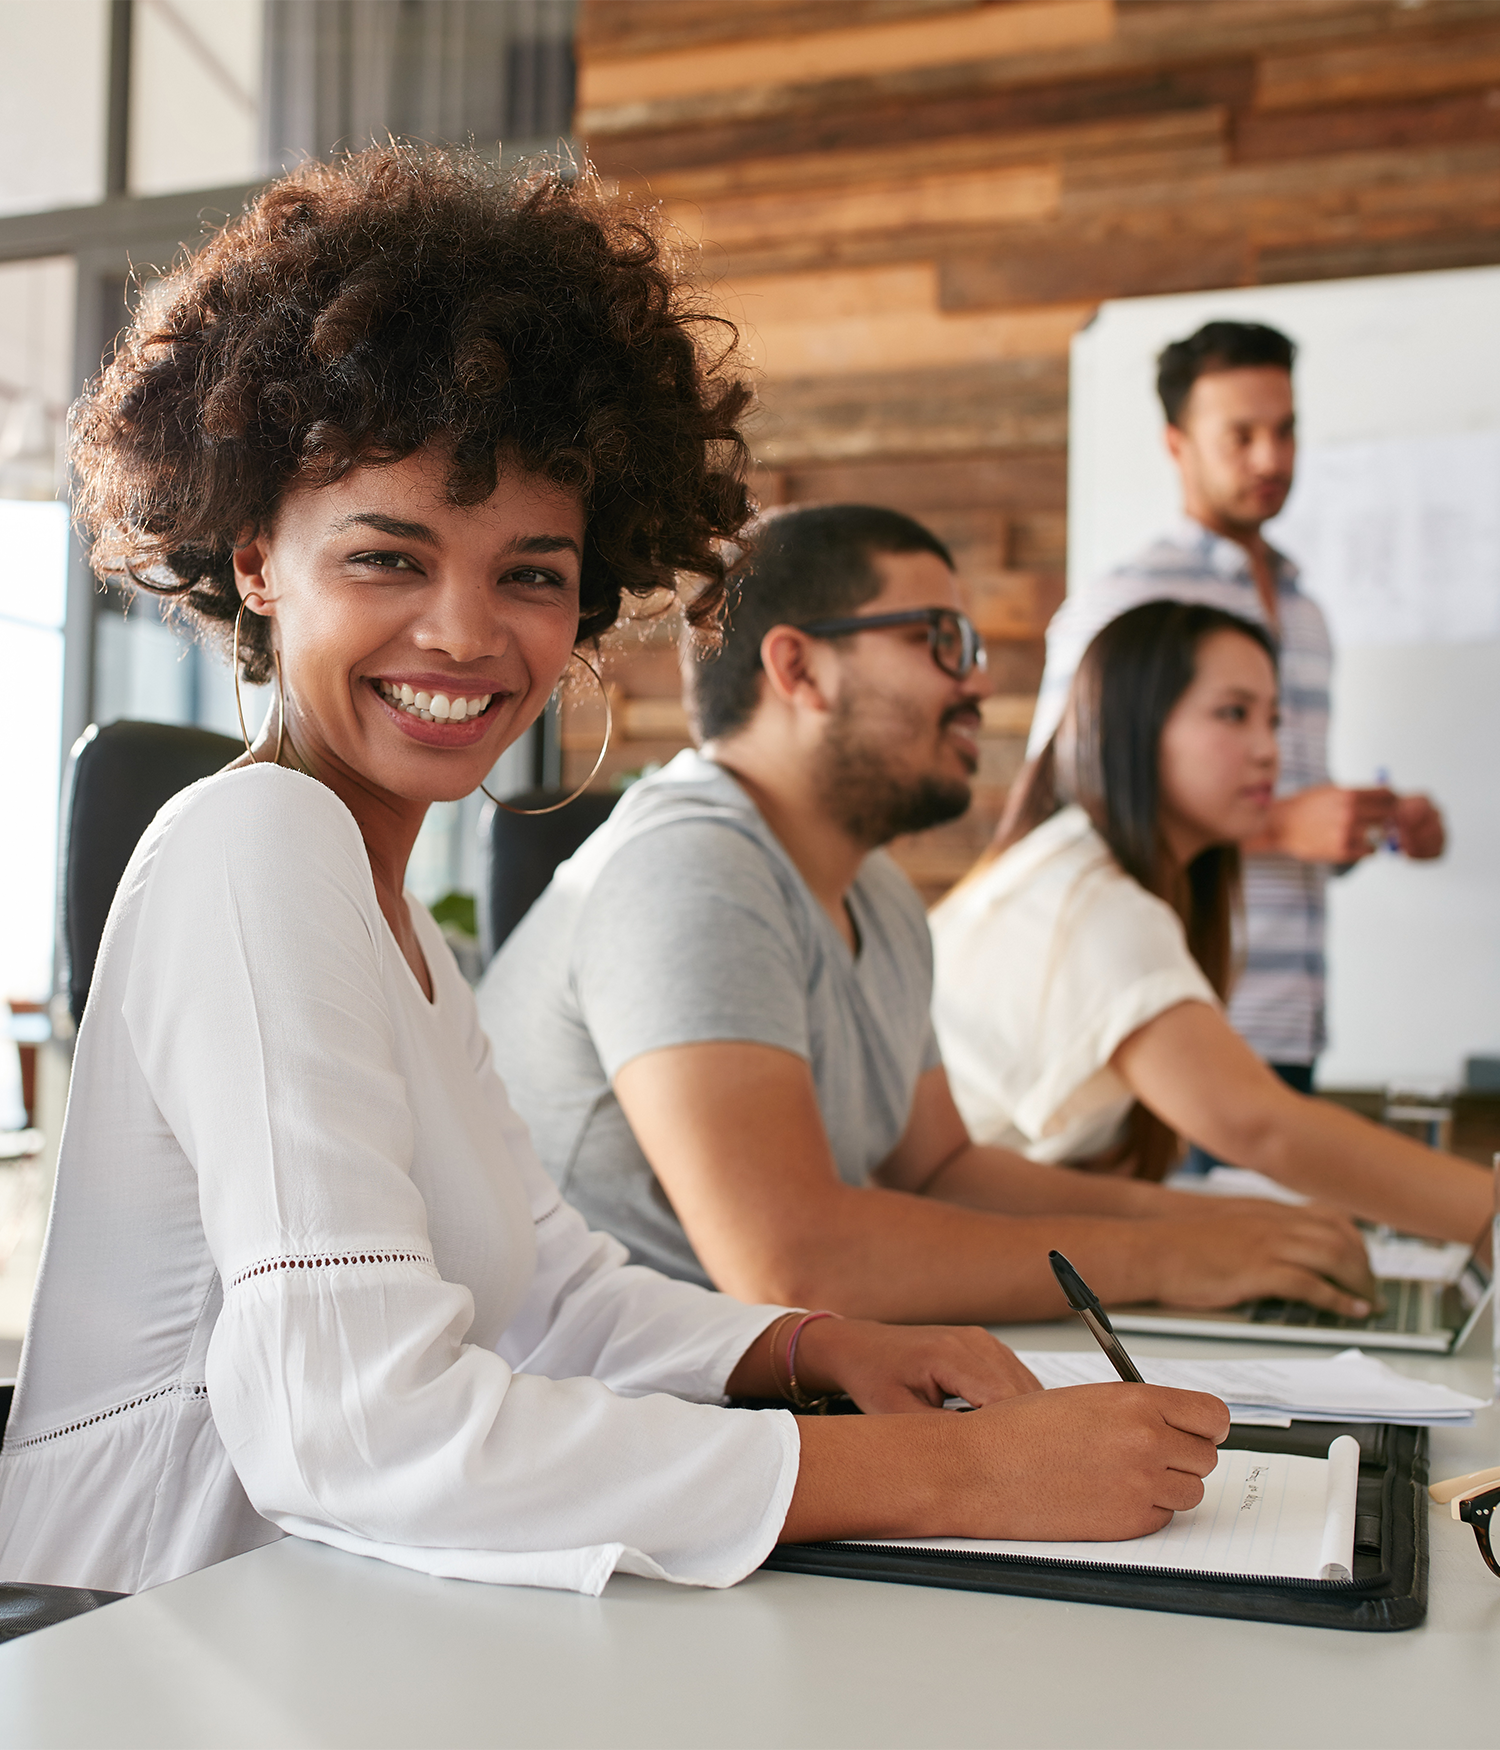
x,y
479,370
414,639
406,432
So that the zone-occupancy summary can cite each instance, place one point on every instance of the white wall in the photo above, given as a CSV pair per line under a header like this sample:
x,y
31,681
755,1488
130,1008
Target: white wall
x,y
1414,951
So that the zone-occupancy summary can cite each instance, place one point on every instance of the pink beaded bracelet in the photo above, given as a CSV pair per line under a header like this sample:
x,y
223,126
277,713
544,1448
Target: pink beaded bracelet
x,y
795,1391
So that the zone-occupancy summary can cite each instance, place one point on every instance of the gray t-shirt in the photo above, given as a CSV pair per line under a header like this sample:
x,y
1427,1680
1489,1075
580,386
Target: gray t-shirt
x,y
682,920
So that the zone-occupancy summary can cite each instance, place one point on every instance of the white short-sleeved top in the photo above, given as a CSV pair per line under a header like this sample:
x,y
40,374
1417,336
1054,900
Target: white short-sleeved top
x,y
305,1275
1044,963
1278,997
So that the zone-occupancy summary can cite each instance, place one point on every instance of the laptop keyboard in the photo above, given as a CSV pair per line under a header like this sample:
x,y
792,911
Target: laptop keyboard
x,y
1407,1309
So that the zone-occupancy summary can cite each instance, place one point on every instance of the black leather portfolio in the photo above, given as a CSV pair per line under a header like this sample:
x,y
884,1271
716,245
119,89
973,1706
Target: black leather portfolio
x,y
1388,1590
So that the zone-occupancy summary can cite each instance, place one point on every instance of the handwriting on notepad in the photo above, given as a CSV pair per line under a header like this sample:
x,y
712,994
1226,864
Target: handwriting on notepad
x,y
1254,1488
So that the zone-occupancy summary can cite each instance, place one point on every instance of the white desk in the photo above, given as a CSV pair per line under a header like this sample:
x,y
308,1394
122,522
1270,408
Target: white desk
x,y
297,1644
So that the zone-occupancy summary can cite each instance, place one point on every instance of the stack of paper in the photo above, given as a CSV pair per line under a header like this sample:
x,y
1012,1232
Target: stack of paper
x,y
1350,1387
1401,1258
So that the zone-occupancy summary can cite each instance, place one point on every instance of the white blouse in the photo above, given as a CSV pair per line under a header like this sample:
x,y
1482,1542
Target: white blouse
x,y
304,1274
1044,963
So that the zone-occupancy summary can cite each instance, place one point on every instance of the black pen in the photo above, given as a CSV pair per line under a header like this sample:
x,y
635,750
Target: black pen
x,y
1085,1303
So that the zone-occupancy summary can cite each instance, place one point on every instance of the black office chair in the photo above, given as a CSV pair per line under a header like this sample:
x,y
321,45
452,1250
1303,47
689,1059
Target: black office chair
x,y
118,777
519,852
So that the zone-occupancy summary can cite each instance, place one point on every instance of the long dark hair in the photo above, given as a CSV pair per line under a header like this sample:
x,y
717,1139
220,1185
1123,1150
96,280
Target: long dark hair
x,y
1106,757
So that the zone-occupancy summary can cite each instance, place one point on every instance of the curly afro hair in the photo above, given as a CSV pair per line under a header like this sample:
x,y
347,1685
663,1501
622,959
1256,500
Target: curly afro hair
x,y
359,310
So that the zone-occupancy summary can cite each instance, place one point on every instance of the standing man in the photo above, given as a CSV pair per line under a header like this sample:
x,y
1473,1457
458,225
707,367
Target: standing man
x,y
716,1019
1231,429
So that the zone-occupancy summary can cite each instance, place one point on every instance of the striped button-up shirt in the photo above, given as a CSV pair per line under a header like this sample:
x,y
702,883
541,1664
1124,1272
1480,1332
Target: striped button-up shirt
x,y
1278,1000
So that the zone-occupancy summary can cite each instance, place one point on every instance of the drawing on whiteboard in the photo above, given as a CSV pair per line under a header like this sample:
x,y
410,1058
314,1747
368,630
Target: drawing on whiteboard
x,y
1399,538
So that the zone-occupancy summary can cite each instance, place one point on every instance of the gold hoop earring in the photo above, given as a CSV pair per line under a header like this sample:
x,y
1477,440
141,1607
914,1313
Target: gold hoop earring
x,y
609,723
280,693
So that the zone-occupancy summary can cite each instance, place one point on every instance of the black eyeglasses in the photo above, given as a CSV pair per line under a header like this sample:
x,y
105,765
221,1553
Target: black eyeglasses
x,y
952,637
1479,1511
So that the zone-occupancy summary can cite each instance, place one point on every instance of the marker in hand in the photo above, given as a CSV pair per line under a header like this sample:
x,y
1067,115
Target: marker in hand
x,y
1085,1303
1389,839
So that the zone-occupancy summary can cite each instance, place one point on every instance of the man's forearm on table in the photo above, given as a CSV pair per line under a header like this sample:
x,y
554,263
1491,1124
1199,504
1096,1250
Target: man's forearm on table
x,y
880,1254
1006,1183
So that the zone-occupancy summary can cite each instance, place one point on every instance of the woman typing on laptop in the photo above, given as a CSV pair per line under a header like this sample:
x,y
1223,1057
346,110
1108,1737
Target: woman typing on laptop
x,y
1082,966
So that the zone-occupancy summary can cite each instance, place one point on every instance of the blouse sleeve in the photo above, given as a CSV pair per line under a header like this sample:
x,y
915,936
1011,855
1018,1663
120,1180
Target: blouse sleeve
x,y
590,1311
340,1379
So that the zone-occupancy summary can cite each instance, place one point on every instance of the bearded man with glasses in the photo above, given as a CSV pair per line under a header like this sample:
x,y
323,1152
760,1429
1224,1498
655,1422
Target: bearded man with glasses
x,y
716,1019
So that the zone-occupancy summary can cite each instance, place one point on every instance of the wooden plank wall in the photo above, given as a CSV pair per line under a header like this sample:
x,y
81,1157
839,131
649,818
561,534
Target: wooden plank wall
x,y
910,206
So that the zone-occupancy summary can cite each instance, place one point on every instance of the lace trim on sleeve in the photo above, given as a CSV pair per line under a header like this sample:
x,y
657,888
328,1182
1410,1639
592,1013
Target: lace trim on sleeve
x,y
329,1261
194,1391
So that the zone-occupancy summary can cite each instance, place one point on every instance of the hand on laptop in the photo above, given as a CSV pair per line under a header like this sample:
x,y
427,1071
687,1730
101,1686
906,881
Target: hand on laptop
x,y
1245,1249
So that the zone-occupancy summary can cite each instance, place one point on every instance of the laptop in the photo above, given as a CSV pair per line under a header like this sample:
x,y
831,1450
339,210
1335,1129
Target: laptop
x,y
1422,1314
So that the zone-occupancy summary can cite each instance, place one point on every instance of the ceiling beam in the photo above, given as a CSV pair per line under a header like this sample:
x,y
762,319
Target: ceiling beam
x,y
123,223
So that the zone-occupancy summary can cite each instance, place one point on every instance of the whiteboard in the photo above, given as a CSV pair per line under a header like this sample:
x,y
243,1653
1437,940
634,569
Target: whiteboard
x,y
1396,519
1399,537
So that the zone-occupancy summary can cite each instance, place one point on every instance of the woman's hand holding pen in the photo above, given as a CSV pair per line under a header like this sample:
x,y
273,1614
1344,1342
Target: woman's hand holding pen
x,y
886,1369
1098,1462
1086,1462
